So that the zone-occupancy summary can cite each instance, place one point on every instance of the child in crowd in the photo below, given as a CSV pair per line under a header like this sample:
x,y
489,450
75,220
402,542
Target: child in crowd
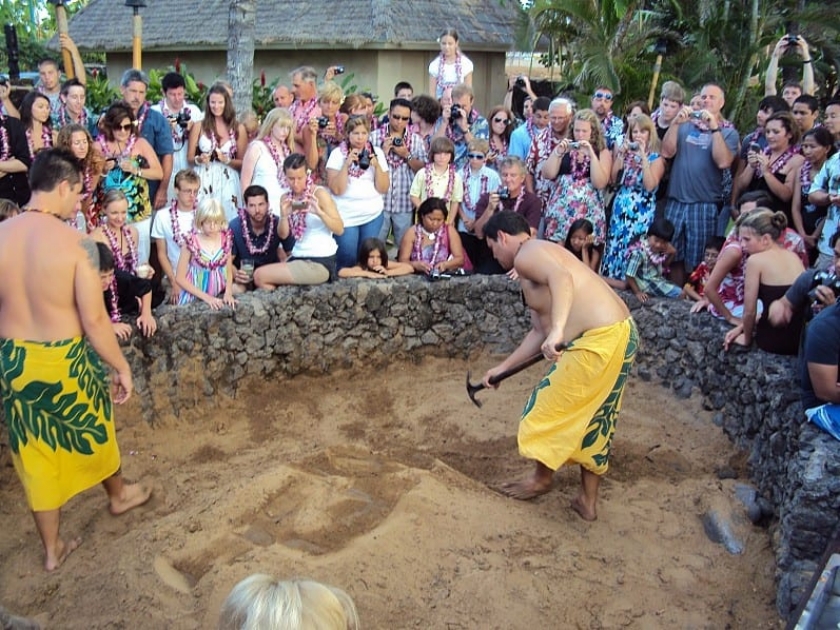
x,y
581,242
479,179
8,209
374,263
697,280
439,178
433,244
125,295
648,261
205,266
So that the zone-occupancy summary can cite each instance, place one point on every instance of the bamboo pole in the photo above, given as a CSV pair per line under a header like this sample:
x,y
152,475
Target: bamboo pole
x,y
61,22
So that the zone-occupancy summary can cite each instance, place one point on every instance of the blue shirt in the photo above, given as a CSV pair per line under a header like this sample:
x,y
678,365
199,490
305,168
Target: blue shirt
x,y
520,141
158,133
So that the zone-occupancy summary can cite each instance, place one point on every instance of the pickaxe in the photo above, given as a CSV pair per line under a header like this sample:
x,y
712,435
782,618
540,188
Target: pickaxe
x,y
472,390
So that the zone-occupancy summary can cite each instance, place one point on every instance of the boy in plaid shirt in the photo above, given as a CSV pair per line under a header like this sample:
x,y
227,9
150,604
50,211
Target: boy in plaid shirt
x,y
649,259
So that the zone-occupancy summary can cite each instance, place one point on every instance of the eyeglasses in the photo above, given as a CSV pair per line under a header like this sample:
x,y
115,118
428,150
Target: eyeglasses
x,y
475,156
604,95
395,117
125,127
498,120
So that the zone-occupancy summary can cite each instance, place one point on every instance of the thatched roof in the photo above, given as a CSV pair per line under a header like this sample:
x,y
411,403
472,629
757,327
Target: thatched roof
x,y
290,24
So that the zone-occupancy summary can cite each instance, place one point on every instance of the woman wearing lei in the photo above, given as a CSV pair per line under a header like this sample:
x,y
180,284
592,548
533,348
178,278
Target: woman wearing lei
x,y
357,175
451,67
433,245
326,132
263,161
439,178
216,148
501,126
117,234
35,116
77,140
130,161
583,167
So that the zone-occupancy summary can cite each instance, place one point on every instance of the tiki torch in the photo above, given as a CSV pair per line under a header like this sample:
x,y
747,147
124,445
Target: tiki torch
x,y
136,33
660,49
61,22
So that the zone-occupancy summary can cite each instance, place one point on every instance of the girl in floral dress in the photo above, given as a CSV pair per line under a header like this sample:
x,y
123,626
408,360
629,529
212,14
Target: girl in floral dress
x,y
582,168
638,170
205,268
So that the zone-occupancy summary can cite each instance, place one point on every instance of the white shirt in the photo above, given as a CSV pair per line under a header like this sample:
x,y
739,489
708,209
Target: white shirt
x,y
361,202
162,228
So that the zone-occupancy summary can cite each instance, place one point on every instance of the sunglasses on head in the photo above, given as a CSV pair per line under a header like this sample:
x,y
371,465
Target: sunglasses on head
x,y
395,117
502,120
475,156
604,95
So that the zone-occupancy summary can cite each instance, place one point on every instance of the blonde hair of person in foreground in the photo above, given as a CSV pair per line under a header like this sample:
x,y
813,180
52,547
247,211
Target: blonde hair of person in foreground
x,y
261,602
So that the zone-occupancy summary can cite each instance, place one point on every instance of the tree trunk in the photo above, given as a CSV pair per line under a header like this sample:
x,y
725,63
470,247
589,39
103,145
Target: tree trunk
x,y
240,56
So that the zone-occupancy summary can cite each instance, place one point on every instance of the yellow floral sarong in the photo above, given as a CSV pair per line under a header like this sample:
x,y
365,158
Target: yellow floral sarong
x,y
57,406
572,412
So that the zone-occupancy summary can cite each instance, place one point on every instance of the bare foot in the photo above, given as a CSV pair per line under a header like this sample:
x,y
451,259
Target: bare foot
x,y
62,550
584,511
132,496
526,488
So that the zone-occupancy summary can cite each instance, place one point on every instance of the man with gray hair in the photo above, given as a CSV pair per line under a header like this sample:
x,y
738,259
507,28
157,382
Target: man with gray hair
x,y
560,113
152,126
305,106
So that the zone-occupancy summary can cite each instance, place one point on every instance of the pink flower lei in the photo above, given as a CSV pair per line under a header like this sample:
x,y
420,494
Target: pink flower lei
x,y
643,246
394,160
124,153
121,262
302,119
177,235
779,163
195,250
437,237
115,309
5,146
297,218
441,84
177,132
46,139
339,131
214,143
278,156
500,152
354,170
482,190
64,119
450,184
246,233
142,113
519,199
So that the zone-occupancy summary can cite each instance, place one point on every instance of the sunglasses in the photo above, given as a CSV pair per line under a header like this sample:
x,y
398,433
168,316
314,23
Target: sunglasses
x,y
502,120
604,95
395,117
125,127
475,156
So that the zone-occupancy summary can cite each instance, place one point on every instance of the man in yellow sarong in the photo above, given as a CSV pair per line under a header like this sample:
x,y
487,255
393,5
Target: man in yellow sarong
x,y
53,330
571,414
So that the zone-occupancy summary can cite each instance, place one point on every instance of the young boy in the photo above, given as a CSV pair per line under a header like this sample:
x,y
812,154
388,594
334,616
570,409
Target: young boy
x,y
125,295
171,225
697,280
647,260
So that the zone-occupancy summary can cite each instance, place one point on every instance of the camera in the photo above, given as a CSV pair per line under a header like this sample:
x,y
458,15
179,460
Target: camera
x,y
574,145
436,274
791,39
398,142
824,279
503,192
299,204
323,121
697,115
364,160
456,112
755,147
182,119
338,69
520,82
632,146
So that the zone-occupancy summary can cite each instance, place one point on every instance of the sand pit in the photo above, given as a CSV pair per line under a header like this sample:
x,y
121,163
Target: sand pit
x,y
380,482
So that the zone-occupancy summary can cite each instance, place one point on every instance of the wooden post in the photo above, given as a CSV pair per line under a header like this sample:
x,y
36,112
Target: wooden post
x,y
657,67
137,40
61,22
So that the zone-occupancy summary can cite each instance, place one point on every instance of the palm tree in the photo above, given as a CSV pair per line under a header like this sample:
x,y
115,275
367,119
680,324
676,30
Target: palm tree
x,y
240,56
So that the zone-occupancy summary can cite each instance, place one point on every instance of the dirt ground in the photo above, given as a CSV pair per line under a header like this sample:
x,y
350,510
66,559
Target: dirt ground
x,y
381,482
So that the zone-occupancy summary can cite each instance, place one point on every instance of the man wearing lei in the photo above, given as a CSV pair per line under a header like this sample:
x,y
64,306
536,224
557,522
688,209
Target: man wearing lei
x,y
172,106
517,200
152,126
55,344
49,75
466,126
406,154
523,135
171,227
560,112
256,238
71,108
305,107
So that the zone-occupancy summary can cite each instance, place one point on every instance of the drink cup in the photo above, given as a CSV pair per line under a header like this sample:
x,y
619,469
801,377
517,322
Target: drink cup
x,y
144,271
247,267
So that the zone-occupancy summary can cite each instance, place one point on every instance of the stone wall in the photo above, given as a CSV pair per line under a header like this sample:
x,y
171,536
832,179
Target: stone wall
x,y
197,353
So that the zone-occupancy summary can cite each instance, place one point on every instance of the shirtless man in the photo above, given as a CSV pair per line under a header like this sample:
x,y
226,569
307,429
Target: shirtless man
x,y
54,381
571,414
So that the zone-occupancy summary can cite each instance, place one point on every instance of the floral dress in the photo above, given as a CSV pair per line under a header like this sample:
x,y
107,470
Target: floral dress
x,y
574,197
633,210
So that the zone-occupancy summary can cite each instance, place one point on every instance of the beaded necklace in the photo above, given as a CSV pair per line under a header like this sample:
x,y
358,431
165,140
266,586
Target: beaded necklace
x,y
297,218
46,140
121,262
194,247
450,183
246,233
278,157
467,176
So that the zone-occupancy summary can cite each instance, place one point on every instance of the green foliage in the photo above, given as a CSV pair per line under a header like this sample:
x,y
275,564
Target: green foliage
x,y
263,95
195,91
100,93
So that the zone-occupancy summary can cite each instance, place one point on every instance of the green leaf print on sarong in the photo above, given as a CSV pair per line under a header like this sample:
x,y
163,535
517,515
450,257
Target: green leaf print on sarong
x,y
604,420
532,399
45,411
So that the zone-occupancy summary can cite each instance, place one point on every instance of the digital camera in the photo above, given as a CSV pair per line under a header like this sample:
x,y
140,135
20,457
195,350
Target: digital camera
x,y
503,192
633,146
824,279
364,160
574,145
323,121
697,115
398,142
